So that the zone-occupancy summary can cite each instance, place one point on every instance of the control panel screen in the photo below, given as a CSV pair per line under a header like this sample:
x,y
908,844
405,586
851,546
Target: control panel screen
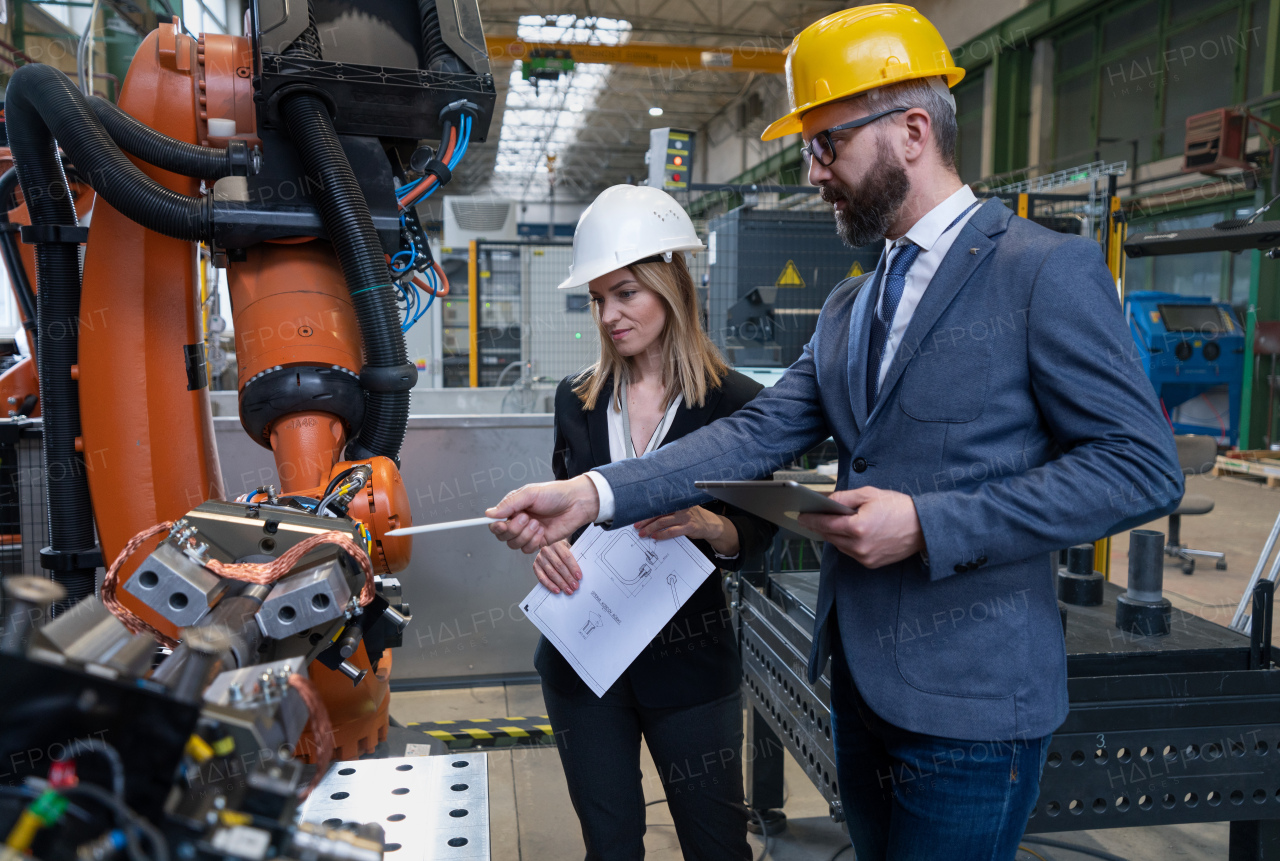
x,y
1206,319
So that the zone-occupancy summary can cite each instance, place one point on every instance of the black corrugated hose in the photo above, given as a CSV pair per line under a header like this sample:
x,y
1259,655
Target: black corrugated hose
x,y
151,146
387,375
49,201
44,104
45,110
307,45
437,56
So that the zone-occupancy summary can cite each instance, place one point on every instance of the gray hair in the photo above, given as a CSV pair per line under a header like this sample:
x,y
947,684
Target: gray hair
x,y
926,94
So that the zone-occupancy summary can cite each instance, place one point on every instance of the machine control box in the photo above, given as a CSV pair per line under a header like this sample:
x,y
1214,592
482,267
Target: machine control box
x,y
1192,350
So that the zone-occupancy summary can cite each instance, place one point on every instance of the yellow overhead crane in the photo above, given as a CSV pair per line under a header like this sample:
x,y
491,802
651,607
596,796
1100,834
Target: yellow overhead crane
x,y
650,54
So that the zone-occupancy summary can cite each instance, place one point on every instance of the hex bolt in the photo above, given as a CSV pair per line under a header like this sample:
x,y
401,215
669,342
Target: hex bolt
x,y
28,599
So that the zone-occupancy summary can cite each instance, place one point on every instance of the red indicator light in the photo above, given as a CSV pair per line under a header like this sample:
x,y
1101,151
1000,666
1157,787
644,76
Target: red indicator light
x,y
676,177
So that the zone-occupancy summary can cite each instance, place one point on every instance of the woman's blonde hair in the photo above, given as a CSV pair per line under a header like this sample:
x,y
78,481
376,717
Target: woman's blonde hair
x,y
692,364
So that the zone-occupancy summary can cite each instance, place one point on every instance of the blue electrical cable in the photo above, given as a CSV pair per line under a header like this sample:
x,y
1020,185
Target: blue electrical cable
x,y
466,141
458,153
453,162
411,293
405,268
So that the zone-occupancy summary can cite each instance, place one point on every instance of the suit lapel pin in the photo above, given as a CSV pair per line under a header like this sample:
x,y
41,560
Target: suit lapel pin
x,y
973,251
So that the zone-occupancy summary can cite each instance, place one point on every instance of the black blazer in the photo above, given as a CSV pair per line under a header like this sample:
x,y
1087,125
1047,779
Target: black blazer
x,y
695,660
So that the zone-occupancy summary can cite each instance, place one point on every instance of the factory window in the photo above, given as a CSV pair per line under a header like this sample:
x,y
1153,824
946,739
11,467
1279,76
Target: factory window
x,y
1257,47
1129,26
1217,274
1075,51
969,122
1127,107
1073,123
1201,72
1127,78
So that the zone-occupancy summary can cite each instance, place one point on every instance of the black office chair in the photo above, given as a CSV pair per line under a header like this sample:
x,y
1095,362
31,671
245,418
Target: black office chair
x,y
1196,454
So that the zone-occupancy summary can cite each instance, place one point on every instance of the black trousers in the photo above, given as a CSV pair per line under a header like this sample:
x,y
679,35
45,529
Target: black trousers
x,y
698,752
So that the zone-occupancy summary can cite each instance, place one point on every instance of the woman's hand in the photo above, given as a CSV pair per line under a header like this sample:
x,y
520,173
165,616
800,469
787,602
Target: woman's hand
x,y
692,523
557,569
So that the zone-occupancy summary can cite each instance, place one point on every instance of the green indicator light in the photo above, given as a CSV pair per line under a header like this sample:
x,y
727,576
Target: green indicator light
x,y
577,334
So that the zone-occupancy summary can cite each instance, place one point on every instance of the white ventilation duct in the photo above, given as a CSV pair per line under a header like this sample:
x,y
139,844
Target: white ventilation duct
x,y
483,218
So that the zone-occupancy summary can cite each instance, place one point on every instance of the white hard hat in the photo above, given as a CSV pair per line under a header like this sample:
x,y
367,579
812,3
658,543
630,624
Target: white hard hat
x,y
624,224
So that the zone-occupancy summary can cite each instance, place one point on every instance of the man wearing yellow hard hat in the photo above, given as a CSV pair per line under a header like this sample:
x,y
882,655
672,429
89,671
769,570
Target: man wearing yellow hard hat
x,y
978,389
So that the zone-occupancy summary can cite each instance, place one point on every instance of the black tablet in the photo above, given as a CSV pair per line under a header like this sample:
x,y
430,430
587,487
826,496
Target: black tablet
x,y
778,502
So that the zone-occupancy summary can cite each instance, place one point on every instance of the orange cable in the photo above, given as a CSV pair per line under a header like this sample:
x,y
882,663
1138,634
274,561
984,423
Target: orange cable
x,y
428,181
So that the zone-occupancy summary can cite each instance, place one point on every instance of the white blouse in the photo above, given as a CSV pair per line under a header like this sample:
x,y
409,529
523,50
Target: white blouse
x,y
617,435
618,446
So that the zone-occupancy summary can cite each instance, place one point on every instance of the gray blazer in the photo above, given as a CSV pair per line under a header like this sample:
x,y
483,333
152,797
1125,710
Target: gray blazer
x,y
1015,413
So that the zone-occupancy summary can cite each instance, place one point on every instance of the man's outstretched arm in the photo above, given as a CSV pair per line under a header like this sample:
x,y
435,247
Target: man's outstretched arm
x,y
769,432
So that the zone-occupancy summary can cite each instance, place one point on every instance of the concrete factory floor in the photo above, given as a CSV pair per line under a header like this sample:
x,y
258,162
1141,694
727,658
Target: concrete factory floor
x,y
531,818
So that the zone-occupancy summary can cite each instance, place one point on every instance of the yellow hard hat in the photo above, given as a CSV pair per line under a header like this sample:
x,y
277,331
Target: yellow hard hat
x,y
856,50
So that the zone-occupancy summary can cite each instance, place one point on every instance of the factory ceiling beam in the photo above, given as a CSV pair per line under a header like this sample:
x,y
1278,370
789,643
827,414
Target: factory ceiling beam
x,y
648,54
763,21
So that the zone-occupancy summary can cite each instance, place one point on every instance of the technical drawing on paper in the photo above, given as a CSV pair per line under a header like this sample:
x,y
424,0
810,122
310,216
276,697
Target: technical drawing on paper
x,y
632,588
630,561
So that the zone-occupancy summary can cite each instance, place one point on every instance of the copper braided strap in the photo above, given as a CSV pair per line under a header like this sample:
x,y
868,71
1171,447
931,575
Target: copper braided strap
x,y
269,572
321,727
132,621
263,573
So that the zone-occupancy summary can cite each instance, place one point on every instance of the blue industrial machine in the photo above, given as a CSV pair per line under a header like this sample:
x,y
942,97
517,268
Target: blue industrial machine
x,y
1191,348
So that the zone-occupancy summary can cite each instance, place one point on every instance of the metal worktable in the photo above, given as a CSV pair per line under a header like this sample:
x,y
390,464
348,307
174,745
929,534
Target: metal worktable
x,y
429,807
1162,730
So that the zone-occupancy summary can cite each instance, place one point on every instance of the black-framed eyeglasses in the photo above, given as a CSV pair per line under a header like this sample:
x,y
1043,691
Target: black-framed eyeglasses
x,y
821,147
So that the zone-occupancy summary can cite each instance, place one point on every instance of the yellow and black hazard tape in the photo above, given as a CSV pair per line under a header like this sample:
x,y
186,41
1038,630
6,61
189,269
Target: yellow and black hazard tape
x,y
490,732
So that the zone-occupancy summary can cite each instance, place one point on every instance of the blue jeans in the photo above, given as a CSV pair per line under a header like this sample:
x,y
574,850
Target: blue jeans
x,y
908,796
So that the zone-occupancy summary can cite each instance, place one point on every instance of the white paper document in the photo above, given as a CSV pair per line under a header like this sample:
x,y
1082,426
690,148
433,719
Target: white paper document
x,y
630,589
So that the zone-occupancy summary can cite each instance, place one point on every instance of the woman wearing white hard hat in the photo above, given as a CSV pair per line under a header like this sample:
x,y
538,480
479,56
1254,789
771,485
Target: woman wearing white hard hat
x,y
658,378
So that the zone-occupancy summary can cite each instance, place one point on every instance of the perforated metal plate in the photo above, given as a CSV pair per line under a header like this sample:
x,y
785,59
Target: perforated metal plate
x,y
431,807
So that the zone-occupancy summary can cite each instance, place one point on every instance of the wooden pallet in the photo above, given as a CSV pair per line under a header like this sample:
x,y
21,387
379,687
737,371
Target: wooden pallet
x,y
1259,465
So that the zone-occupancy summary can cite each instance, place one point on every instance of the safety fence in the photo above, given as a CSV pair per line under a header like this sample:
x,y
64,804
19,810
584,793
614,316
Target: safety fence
x,y
23,519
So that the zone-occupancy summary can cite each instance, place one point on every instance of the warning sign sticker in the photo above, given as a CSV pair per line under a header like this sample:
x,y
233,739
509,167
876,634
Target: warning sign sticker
x,y
790,276
855,270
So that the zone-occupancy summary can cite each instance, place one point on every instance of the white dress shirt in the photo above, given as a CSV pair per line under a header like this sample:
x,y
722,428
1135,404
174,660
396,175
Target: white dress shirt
x,y
934,245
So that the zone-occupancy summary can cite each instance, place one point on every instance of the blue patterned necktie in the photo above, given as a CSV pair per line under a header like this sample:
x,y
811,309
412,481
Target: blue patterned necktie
x,y
882,320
